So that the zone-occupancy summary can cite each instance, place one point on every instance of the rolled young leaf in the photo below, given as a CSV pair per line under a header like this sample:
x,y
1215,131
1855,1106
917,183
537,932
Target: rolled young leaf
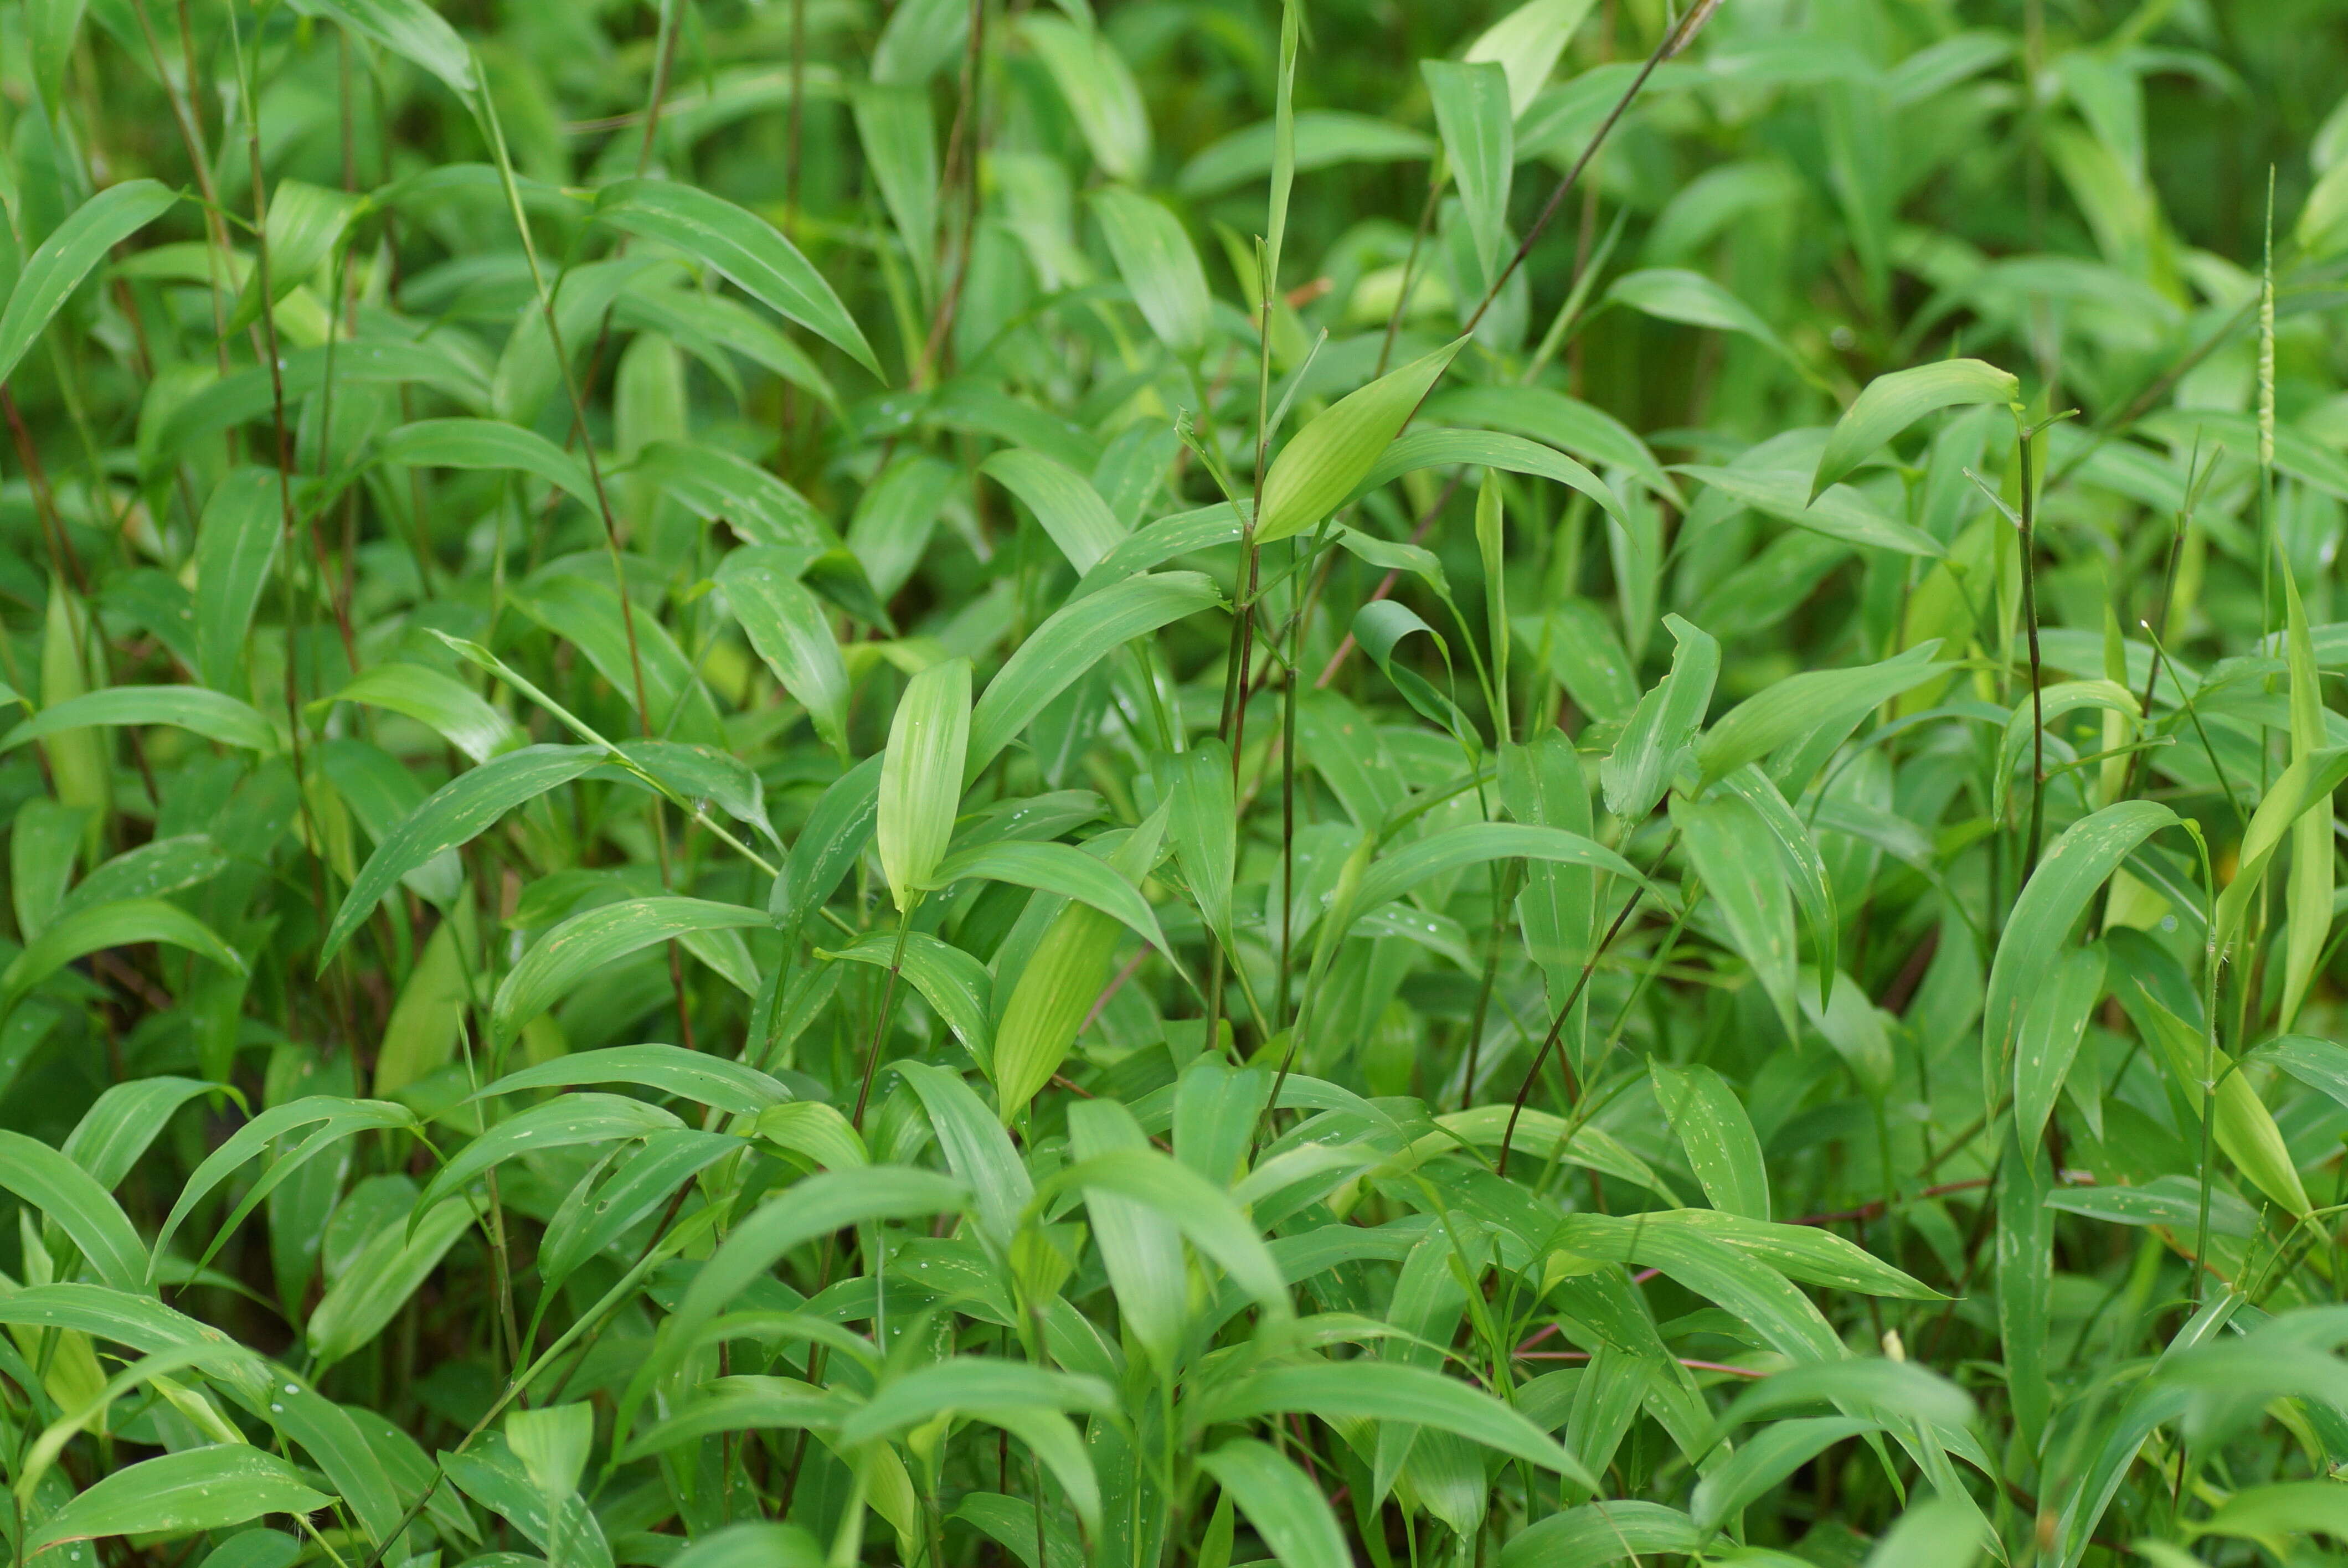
x,y
922,777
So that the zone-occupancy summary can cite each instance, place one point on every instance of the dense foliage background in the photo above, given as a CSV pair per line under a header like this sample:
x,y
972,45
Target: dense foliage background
x,y
749,829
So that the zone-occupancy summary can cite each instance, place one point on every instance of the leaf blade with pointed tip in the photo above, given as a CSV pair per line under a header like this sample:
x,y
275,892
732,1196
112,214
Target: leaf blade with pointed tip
x,y
556,962
455,814
921,775
1159,265
56,269
1890,404
743,246
196,1488
1323,461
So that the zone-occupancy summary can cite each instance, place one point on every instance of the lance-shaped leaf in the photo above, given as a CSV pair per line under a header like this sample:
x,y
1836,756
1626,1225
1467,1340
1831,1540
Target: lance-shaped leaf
x,y
454,814
1663,726
377,1282
588,942
1064,501
1204,827
459,713
1890,403
740,244
2089,851
236,543
488,443
1062,869
61,262
693,1075
408,28
1489,449
921,776
2307,903
1073,640
1157,262
1323,462
1675,294
1734,851
215,715
792,634
2303,787
102,926
1390,1392
89,1215
2052,1023
1716,1136
196,1488
1476,122
1286,1509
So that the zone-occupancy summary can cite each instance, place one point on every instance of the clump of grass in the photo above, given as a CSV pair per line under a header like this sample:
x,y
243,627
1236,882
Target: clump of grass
x,y
804,783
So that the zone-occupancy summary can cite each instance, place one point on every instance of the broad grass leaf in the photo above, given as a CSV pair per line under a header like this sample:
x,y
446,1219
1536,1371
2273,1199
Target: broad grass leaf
x,y
59,263
1840,512
1551,417
2171,1201
2054,1021
1475,117
955,985
1750,1289
1731,847
408,28
1071,641
125,1121
1159,265
2025,1282
1399,871
717,486
921,775
815,1207
77,1204
98,926
1944,1532
1542,785
2036,933
378,1282
464,807
972,1383
2052,703
1676,295
1488,449
1049,1002
1389,1391
44,842
2307,902
692,1075
2298,791
1891,403
1600,1533
1206,1215
1331,453
1805,867
1881,1388
565,1122
1791,721
639,1188
1716,1136
332,1117
741,245
459,713
236,544
1663,727
214,715
1140,1247
2320,1064
1062,869
156,868
1204,827
1100,92
585,612
197,1489
839,830
1284,1505
977,1150
1766,1458
792,634
552,1442
1323,138
488,443
817,1131
2282,1511
565,1528
1064,501
1184,533
752,1543
900,137
1809,1255
304,221
1526,44
585,943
